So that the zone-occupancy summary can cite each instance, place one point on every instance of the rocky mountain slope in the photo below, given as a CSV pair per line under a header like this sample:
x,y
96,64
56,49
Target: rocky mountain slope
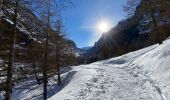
x,y
149,25
29,28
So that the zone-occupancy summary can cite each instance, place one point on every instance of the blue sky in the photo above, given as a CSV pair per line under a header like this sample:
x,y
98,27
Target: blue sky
x,y
80,19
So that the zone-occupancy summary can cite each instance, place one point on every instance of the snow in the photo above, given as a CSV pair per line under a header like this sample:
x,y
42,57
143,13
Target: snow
x,y
24,30
139,75
108,83
8,20
145,31
1,13
30,90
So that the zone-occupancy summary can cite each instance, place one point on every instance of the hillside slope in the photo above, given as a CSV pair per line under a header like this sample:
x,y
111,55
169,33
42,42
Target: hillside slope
x,y
149,25
139,75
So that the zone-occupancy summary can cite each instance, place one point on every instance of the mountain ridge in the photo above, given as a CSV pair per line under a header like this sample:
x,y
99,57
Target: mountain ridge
x,y
135,32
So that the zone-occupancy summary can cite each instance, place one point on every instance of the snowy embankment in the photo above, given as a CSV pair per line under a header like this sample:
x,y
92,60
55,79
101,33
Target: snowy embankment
x,y
139,75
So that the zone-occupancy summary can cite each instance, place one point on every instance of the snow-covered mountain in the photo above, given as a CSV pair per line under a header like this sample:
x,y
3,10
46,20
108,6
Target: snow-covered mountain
x,y
29,28
28,24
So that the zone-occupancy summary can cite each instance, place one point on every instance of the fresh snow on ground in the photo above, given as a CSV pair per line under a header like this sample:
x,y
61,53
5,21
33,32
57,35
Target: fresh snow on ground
x,y
139,75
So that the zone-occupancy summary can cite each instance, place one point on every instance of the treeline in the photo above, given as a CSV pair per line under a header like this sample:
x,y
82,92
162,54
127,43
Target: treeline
x,y
32,43
147,23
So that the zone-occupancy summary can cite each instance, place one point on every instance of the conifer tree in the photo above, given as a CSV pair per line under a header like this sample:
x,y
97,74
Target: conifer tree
x,y
11,55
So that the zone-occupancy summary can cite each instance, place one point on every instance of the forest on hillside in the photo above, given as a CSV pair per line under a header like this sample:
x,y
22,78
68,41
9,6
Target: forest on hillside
x,y
33,45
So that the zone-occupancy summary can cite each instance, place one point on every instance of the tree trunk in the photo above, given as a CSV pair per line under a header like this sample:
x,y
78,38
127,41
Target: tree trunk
x,y
153,11
58,62
45,77
35,73
58,49
11,57
45,80
154,20
58,74
1,5
45,70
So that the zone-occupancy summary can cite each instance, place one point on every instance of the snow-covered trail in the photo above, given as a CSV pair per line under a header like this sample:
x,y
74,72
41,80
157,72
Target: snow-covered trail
x,y
104,82
138,75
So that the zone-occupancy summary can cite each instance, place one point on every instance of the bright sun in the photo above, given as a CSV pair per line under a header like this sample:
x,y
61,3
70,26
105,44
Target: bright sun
x,y
103,26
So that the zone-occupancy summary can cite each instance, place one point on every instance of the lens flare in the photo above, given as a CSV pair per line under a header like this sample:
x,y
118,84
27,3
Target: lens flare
x,y
103,27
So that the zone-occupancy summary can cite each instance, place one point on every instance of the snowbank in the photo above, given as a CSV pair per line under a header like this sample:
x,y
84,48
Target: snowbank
x,y
139,75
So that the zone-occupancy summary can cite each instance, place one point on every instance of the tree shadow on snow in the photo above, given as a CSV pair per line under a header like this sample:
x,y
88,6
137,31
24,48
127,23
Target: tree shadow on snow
x,y
55,88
